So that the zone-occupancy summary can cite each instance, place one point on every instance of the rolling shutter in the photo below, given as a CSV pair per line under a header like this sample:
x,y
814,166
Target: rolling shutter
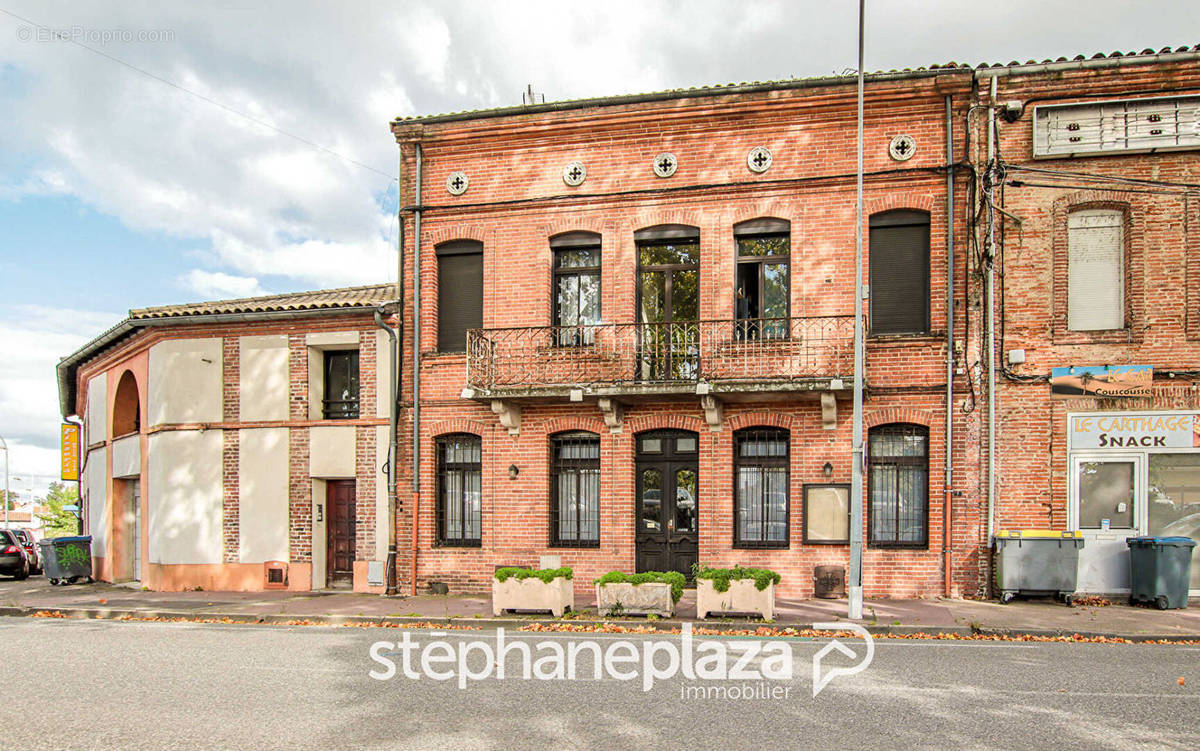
x,y
460,293
899,257
1095,280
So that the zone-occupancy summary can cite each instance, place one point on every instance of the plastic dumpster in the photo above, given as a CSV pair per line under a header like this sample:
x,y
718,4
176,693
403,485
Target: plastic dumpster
x,y
1159,569
67,559
1037,562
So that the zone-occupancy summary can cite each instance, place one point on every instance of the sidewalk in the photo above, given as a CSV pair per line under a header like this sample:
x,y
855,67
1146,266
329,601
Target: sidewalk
x,y
1040,617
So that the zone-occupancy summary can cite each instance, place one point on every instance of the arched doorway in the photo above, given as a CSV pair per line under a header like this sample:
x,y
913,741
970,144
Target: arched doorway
x,y
668,496
127,520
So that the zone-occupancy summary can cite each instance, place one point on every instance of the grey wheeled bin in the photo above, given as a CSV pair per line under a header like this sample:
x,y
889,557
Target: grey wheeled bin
x,y
1159,570
67,559
1037,562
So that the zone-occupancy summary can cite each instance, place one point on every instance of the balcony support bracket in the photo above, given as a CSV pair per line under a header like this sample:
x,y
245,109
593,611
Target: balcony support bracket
x,y
613,413
714,413
828,411
509,414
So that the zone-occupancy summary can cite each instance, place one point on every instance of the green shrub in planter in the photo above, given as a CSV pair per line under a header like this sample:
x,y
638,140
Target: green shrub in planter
x,y
722,576
545,574
674,578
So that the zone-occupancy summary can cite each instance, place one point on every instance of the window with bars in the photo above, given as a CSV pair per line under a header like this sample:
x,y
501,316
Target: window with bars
x,y
762,498
459,493
340,400
762,296
898,482
575,490
576,287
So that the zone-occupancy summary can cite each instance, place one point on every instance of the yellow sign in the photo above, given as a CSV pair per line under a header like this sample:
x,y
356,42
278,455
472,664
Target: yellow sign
x,y
70,451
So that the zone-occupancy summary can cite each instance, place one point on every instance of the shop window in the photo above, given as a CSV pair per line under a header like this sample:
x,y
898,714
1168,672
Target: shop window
x,y
460,507
1095,270
761,488
576,287
1174,500
575,490
762,295
898,482
899,259
340,398
460,293
827,514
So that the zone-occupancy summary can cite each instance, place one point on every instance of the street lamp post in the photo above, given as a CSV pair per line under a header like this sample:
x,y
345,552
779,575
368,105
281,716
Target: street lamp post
x,y
856,477
7,494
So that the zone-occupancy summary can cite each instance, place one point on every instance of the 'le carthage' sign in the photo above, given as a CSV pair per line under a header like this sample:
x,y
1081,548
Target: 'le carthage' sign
x,y
1125,430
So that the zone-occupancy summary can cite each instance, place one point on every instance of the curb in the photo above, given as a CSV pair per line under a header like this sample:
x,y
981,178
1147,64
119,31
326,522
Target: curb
x,y
274,619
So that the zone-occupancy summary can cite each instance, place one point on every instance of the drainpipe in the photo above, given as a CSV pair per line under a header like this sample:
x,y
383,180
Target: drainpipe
x,y
416,364
947,538
390,566
991,324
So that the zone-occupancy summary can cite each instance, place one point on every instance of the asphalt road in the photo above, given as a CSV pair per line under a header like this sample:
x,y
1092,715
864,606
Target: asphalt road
x,y
98,684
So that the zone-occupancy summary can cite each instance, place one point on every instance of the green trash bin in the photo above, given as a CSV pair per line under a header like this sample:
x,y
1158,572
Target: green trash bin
x,y
67,559
1037,562
1159,570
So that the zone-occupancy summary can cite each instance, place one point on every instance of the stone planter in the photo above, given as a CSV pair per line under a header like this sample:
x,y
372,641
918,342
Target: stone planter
x,y
623,598
741,597
557,596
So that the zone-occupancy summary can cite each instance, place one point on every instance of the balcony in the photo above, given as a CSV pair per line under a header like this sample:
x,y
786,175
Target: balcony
x,y
750,358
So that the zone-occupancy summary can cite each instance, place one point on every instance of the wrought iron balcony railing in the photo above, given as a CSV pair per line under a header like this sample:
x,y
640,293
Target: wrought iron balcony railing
x,y
609,354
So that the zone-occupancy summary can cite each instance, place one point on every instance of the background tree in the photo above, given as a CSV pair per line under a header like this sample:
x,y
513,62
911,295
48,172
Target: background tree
x,y
56,522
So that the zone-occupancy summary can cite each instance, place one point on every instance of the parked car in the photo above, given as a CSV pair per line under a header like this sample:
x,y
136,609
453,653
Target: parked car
x,y
14,561
29,542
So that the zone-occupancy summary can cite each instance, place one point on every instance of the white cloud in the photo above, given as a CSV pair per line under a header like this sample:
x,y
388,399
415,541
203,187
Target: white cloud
x,y
217,285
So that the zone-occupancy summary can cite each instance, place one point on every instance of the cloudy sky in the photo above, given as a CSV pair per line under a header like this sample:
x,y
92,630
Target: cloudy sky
x,y
118,190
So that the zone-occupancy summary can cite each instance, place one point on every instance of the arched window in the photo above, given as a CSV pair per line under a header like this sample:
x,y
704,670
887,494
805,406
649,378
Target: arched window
x,y
460,292
460,506
576,287
668,301
898,482
127,417
762,488
762,295
575,489
899,259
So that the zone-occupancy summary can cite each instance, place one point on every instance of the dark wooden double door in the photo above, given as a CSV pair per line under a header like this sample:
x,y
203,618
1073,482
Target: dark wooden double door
x,y
339,531
668,514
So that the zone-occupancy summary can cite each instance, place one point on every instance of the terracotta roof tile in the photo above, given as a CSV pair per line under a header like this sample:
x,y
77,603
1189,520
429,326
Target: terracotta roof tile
x,y
345,297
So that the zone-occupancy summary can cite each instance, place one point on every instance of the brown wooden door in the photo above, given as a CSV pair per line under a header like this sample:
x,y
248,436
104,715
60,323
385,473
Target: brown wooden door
x,y
668,524
339,534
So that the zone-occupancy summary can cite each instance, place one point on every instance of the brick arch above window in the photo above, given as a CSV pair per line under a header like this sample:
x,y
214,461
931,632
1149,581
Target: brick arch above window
x,y
766,208
655,218
458,425
458,232
910,415
578,224
929,203
1133,262
664,421
573,423
756,419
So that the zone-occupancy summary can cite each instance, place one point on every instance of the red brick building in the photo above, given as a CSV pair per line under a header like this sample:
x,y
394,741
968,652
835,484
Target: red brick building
x,y
1098,265
636,332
